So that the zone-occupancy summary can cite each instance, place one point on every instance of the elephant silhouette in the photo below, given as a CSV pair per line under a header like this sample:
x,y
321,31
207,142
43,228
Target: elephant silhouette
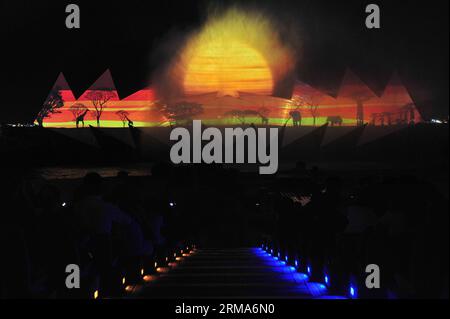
x,y
296,118
335,120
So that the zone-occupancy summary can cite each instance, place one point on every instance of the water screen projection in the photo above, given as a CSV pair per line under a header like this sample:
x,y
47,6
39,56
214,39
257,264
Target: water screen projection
x,y
229,72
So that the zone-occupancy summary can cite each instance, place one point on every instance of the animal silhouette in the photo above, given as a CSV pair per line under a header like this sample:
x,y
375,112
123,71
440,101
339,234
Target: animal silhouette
x,y
130,122
80,118
296,118
264,120
335,120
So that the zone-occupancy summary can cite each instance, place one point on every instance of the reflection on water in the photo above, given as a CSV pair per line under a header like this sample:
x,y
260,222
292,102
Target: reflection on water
x,y
64,172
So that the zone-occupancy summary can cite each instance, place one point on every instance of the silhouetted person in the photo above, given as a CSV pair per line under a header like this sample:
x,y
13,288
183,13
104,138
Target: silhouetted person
x,y
315,172
300,169
328,216
52,242
98,216
18,202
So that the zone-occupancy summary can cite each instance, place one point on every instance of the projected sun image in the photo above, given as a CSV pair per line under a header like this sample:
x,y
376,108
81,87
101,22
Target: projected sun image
x,y
235,51
229,72
227,68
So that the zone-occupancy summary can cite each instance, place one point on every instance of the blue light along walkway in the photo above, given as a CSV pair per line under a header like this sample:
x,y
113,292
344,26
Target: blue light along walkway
x,y
233,273
289,274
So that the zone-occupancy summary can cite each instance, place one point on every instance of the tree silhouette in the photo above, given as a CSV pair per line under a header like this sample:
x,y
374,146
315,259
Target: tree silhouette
x,y
408,113
78,111
360,98
99,98
310,101
248,113
264,113
374,117
388,116
51,105
180,112
237,114
297,101
241,115
123,115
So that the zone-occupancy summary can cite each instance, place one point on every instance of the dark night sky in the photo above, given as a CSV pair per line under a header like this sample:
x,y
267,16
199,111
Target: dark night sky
x,y
122,36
